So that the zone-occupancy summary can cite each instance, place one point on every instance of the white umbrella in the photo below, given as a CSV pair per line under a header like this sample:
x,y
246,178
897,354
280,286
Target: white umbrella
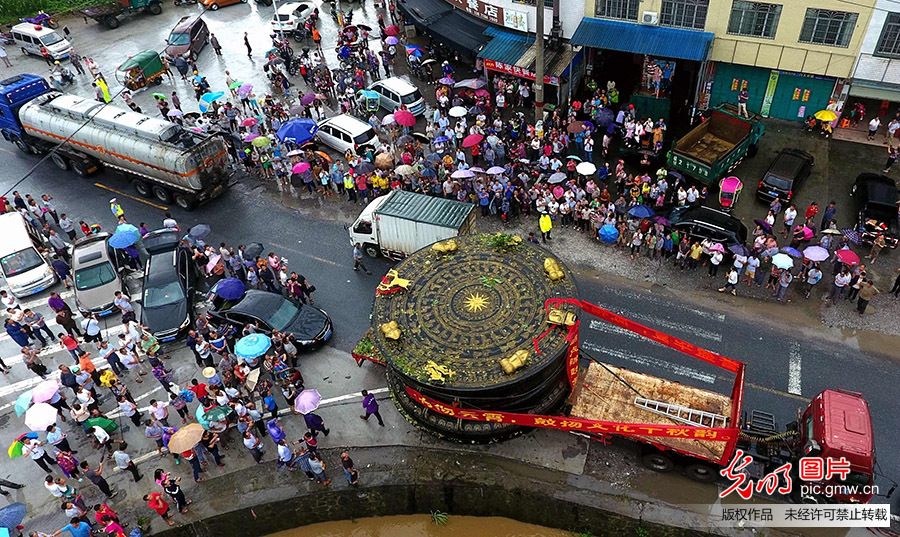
x,y
585,168
388,119
40,416
458,111
782,261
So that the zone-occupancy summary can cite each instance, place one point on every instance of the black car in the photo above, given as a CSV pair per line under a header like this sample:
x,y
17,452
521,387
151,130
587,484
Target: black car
x,y
877,197
309,325
785,175
169,278
706,223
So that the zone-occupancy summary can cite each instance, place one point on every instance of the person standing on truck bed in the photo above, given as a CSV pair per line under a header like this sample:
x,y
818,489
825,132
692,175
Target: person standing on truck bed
x,y
743,97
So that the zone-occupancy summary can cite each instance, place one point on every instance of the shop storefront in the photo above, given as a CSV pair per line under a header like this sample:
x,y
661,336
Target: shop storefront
x,y
448,26
512,54
773,93
655,68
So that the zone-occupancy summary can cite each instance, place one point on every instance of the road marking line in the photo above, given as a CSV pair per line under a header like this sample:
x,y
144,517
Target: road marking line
x,y
652,362
666,303
794,367
775,392
31,304
657,322
282,412
129,196
304,254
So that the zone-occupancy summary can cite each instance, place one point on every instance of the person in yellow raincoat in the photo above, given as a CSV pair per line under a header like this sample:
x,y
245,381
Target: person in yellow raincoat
x,y
546,225
104,88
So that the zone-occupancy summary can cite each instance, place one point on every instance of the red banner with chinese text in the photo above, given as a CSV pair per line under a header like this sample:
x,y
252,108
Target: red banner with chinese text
x,y
563,423
572,355
518,71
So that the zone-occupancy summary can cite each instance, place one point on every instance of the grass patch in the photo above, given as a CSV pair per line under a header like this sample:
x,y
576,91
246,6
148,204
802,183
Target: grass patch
x,y
13,10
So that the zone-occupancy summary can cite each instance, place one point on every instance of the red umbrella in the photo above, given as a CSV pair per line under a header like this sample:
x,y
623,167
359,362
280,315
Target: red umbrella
x,y
405,118
482,93
392,30
848,257
472,139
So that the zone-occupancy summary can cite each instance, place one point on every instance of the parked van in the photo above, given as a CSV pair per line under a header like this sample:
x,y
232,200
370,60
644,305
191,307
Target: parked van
x,y
25,270
395,91
30,37
345,132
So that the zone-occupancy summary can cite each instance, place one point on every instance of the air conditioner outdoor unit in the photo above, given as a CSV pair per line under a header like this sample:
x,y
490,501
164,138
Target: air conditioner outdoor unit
x,y
650,17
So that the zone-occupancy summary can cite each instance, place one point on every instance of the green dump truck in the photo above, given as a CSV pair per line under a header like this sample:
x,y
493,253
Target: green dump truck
x,y
110,14
716,146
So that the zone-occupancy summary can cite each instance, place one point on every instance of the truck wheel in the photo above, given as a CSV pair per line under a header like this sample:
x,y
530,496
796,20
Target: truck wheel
x,y
155,8
185,201
111,22
372,250
703,473
658,462
23,147
61,162
79,168
162,194
752,150
142,188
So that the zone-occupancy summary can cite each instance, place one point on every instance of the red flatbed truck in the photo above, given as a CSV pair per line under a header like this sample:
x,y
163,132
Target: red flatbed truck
x,y
698,429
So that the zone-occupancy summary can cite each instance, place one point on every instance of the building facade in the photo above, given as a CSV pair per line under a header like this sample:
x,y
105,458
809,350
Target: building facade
x,y
876,73
791,57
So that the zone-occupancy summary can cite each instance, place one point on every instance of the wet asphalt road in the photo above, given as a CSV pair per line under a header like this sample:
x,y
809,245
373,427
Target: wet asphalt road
x,y
780,358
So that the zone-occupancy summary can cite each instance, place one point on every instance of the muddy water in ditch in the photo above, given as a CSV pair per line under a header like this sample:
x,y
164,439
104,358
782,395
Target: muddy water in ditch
x,y
422,526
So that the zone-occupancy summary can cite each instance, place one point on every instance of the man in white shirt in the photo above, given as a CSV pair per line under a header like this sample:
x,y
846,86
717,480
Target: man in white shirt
x,y
123,302
170,223
35,449
159,410
789,215
91,327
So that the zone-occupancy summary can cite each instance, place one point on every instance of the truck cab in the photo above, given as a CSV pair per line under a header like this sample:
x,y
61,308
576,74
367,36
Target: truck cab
x,y
837,424
14,92
364,230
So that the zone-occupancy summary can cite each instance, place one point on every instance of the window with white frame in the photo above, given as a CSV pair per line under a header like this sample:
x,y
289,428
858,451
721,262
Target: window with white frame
x,y
828,27
618,9
754,19
889,42
684,13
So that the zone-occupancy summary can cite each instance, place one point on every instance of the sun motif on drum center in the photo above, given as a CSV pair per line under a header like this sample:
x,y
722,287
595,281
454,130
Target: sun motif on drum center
x,y
476,302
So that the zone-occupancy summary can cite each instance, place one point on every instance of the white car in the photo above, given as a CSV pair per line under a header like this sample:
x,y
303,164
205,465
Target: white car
x,y
291,16
345,132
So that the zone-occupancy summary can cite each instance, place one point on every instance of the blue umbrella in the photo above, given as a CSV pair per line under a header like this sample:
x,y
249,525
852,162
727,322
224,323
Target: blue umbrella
x,y
414,50
207,98
604,117
231,289
124,238
297,130
127,227
23,402
641,211
252,346
791,251
441,140
12,515
344,52
608,233
428,172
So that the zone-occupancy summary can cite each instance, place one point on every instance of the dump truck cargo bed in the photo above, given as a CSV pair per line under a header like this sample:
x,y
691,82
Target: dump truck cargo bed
x,y
601,395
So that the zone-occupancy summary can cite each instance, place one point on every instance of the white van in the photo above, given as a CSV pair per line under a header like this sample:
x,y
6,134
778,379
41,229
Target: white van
x,y
345,132
30,37
395,91
25,270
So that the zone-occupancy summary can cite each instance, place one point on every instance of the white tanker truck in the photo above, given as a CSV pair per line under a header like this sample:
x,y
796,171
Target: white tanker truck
x,y
161,159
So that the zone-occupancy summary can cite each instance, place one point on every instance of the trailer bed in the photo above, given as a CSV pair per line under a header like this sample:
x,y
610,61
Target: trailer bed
x,y
599,395
709,148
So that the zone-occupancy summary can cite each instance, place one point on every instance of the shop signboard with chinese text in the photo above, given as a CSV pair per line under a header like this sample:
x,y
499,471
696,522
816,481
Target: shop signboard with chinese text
x,y
482,10
518,71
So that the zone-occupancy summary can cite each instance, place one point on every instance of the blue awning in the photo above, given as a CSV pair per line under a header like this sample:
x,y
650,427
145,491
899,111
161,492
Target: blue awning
x,y
505,47
656,41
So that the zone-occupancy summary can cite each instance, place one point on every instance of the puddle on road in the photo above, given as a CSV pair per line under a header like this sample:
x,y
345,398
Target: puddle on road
x,y
674,488
422,526
870,342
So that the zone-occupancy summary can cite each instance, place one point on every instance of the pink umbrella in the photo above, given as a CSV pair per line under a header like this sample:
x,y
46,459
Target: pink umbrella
x,y
558,191
807,233
212,262
307,401
196,129
44,391
249,122
847,256
405,118
472,139
482,93
300,167
716,248
250,137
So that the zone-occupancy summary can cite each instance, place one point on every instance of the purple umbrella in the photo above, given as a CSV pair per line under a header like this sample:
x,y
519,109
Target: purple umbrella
x,y
245,89
852,235
391,40
793,252
660,220
738,249
307,401
462,174
447,81
765,225
816,253
308,99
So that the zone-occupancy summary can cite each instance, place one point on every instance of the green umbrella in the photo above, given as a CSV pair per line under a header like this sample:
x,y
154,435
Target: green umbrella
x,y
106,424
261,141
217,413
235,85
160,95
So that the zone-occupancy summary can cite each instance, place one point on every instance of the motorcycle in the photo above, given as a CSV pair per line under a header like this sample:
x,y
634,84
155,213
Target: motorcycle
x,y
41,19
65,75
185,2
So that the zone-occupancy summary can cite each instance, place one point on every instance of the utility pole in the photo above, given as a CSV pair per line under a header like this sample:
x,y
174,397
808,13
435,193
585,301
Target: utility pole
x,y
539,62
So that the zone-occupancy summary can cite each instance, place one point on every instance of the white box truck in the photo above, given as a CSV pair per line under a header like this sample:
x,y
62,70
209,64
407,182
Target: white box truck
x,y
399,223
